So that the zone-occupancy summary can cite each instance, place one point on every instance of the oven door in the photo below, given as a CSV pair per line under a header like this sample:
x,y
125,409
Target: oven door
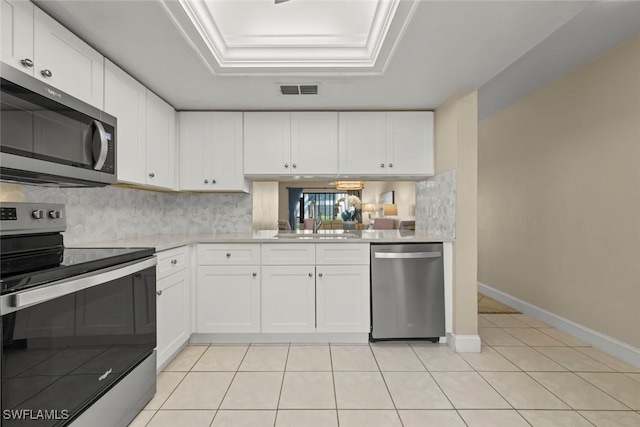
x,y
66,344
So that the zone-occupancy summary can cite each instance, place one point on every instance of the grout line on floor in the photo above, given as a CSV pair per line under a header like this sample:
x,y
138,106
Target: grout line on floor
x,y
286,361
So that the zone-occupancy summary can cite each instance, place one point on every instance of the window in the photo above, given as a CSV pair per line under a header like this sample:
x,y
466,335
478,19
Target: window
x,y
325,204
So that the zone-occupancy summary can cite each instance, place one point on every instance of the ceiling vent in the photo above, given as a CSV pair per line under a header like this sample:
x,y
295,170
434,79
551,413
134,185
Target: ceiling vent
x,y
299,89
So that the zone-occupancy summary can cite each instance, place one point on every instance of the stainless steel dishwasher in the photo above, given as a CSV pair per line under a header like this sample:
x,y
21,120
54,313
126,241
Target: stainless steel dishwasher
x,y
407,291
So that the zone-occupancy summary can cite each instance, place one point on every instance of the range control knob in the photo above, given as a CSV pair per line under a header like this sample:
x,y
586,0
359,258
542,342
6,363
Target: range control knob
x,y
55,214
37,214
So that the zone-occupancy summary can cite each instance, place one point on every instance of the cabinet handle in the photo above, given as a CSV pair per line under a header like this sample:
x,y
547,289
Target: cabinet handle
x,y
159,293
319,274
174,262
228,255
255,274
381,165
206,181
151,175
294,165
310,274
27,62
390,165
46,73
213,181
286,165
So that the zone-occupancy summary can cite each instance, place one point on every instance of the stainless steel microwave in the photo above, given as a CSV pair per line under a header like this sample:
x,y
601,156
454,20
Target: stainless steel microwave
x,y
49,137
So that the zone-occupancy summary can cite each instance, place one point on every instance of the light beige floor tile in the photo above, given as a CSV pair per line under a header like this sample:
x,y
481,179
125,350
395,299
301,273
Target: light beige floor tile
x,y
353,358
415,390
493,418
312,418
396,357
612,418
369,419
200,390
484,323
521,391
440,357
165,384
618,386
488,360
530,321
261,358
309,358
253,390
431,419
182,418
244,419
529,359
221,358
185,360
497,336
307,390
573,360
469,390
555,419
142,419
565,339
576,392
534,337
634,376
361,390
504,320
608,360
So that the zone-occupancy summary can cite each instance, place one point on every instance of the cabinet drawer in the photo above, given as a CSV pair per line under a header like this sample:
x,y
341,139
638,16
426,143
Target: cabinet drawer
x,y
342,253
172,261
229,254
288,253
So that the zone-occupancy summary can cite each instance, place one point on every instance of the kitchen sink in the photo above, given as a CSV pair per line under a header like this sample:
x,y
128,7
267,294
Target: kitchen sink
x,y
323,234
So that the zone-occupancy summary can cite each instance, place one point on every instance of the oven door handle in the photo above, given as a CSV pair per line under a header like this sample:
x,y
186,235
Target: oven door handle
x,y
405,255
66,287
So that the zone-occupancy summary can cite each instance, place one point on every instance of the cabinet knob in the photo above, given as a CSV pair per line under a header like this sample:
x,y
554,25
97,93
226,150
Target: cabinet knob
x,y
294,165
27,62
174,262
390,165
228,255
46,73
286,165
319,274
310,274
206,181
381,165
151,175
255,274
159,293
213,181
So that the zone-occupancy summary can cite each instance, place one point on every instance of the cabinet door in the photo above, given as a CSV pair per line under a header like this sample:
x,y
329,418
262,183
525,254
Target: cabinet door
x,y
173,314
225,152
74,66
160,142
17,33
410,143
362,143
267,141
195,150
342,298
314,143
288,299
228,299
126,99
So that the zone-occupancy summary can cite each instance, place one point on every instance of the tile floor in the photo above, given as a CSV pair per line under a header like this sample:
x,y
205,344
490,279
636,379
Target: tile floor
x,y
527,375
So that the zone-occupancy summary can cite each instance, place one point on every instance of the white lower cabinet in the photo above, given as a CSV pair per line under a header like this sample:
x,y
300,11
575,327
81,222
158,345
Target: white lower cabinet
x,y
228,299
288,298
342,298
173,304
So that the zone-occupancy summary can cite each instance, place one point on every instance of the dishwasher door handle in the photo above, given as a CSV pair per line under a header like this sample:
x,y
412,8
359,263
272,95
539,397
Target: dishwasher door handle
x,y
407,255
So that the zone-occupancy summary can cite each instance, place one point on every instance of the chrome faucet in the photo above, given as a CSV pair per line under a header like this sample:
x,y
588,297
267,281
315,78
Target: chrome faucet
x,y
317,223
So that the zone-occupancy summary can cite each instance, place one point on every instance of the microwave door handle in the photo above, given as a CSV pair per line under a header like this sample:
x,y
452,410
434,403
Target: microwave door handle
x,y
100,150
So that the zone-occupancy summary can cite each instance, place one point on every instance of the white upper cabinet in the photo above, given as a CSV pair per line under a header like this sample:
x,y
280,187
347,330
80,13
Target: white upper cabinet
x,y
17,34
283,143
211,151
160,146
386,143
314,143
126,99
38,45
409,143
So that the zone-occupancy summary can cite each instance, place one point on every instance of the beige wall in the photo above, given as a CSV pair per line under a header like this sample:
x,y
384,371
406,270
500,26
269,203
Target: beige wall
x,y
265,205
559,192
456,129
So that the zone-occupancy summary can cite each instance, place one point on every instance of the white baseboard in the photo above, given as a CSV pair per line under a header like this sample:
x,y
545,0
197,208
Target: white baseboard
x,y
614,347
258,338
464,343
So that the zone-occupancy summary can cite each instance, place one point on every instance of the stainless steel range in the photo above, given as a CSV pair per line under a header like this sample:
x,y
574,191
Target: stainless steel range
x,y
78,325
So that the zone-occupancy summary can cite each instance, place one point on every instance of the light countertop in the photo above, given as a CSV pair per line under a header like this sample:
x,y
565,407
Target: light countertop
x,y
161,242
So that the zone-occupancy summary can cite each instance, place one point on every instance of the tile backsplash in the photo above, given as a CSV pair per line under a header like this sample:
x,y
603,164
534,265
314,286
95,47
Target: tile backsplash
x,y
97,214
436,204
